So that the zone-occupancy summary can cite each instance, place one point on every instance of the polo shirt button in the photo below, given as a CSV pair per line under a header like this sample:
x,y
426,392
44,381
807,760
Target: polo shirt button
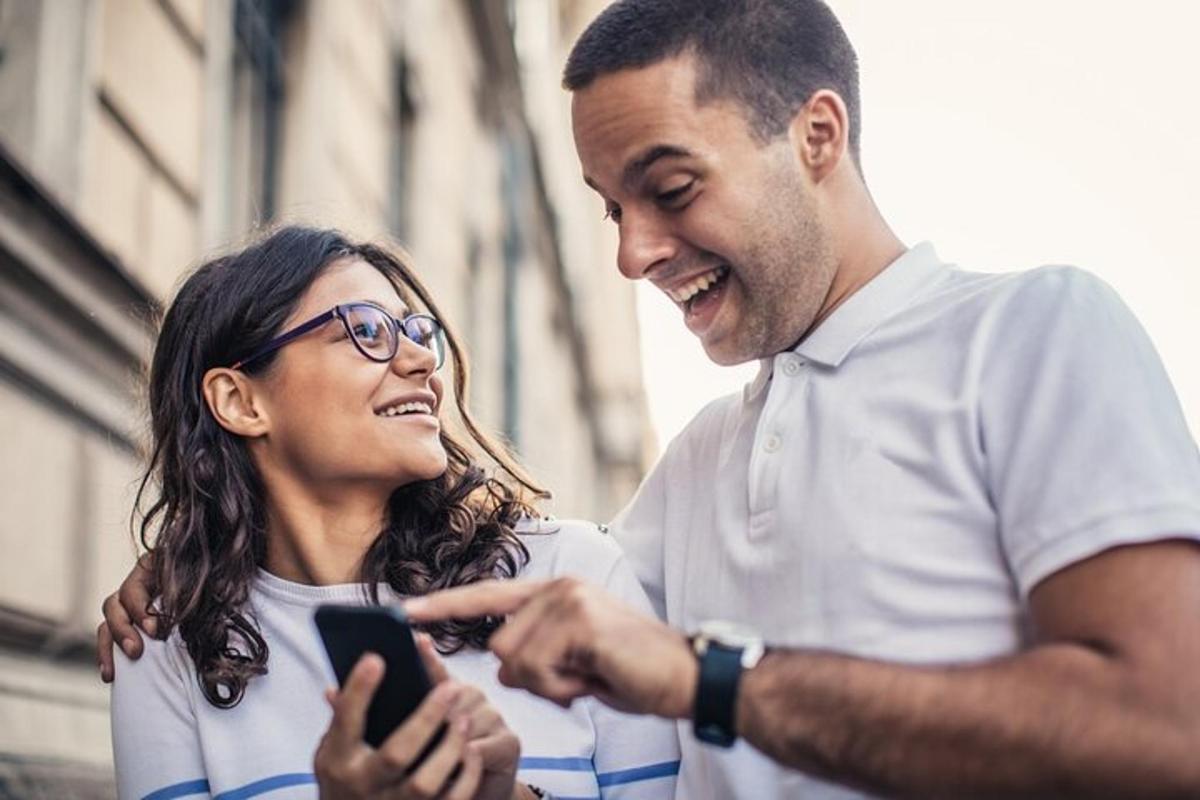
x,y
791,368
773,443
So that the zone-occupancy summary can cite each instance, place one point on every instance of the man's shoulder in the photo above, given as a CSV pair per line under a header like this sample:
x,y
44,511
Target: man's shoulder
x,y
1050,284
559,548
1003,306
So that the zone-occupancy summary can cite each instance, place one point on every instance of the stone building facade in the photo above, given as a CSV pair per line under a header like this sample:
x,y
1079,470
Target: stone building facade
x,y
139,136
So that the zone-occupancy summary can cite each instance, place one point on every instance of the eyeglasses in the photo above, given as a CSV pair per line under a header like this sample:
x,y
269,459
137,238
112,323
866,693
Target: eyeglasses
x,y
374,331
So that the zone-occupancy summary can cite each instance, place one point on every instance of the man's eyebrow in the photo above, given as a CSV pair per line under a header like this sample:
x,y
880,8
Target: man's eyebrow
x,y
635,169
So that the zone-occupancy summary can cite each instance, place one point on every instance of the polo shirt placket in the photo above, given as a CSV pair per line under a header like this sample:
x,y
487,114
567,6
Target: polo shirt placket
x,y
777,426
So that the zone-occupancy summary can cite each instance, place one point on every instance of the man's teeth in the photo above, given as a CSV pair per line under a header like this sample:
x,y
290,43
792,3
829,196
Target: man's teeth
x,y
406,408
688,291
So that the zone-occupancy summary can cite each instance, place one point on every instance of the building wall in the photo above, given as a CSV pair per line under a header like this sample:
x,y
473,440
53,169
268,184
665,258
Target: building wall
x,y
138,137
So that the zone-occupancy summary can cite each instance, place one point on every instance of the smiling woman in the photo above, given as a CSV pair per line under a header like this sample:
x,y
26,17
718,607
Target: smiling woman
x,y
292,410
299,458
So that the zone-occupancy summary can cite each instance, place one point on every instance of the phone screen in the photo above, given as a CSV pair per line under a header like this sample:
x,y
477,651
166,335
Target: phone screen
x,y
350,631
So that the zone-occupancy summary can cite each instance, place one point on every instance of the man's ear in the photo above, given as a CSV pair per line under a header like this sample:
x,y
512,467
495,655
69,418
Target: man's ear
x,y
820,133
234,403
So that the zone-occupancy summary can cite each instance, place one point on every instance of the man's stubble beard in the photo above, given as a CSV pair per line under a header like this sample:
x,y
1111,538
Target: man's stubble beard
x,y
788,272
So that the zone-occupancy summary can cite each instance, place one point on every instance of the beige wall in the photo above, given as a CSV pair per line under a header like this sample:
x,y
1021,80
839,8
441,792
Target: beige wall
x,y
141,149
127,116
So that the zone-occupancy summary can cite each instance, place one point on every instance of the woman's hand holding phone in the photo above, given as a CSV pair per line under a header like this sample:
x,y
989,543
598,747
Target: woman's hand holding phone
x,y
476,758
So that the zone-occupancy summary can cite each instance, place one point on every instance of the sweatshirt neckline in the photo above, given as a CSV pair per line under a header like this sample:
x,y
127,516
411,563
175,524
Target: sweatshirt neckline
x,y
307,594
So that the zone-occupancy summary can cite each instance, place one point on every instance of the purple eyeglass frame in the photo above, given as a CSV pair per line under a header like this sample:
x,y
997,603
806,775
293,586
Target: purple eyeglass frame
x,y
342,312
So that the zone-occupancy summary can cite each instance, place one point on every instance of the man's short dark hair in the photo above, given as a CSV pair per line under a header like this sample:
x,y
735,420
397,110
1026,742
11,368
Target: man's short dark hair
x,y
769,55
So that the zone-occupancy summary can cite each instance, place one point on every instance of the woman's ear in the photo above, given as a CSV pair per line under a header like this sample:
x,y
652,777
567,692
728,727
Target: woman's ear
x,y
234,403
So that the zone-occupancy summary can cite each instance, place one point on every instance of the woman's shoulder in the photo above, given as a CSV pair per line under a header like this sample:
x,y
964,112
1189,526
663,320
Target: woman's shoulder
x,y
576,548
163,667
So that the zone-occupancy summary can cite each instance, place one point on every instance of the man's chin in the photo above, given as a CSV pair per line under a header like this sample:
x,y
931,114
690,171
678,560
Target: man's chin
x,y
725,353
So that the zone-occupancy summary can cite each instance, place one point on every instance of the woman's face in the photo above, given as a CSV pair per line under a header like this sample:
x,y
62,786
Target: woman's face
x,y
333,413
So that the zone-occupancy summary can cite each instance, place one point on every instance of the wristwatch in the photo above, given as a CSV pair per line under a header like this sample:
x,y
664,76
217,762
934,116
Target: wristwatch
x,y
724,650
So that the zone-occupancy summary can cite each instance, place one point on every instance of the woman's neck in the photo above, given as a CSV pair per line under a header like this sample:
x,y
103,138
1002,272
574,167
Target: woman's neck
x,y
320,539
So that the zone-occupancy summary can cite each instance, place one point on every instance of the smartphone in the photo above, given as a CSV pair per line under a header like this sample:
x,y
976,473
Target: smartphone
x,y
350,631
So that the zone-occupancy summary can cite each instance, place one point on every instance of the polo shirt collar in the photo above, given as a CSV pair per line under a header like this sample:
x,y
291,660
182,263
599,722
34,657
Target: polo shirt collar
x,y
863,312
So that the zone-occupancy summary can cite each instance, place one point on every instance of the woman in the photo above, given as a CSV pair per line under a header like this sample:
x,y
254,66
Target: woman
x,y
299,458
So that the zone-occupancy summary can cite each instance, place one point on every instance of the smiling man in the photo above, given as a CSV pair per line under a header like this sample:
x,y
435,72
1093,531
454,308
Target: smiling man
x,y
960,510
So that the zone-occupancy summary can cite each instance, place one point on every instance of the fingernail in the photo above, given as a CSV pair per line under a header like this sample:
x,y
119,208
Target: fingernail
x,y
129,646
150,625
372,665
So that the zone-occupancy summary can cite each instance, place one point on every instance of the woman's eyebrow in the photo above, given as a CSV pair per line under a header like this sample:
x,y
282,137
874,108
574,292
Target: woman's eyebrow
x,y
397,308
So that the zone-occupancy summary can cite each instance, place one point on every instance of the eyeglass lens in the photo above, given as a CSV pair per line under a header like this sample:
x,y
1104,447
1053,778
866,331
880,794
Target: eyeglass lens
x,y
375,332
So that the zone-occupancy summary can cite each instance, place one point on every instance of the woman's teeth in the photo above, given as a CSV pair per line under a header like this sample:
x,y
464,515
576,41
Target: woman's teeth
x,y
688,291
406,408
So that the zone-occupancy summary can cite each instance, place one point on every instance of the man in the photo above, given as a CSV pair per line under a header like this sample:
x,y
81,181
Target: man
x,y
961,510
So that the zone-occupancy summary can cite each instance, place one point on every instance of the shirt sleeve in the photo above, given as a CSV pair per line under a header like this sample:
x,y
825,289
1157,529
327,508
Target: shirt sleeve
x,y
636,757
156,745
639,529
1085,444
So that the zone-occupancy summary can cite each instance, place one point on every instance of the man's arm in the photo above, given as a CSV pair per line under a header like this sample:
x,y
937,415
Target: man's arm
x,y
1107,703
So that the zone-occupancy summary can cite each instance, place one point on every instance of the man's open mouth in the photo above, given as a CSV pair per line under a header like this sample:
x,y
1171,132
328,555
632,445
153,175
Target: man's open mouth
x,y
699,287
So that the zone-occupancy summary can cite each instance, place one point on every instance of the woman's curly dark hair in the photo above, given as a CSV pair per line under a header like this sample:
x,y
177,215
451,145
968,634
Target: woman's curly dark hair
x,y
206,525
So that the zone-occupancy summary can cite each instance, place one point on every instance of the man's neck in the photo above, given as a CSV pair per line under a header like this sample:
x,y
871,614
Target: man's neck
x,y
866,248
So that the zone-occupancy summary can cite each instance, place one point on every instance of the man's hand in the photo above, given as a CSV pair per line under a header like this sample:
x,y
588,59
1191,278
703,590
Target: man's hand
x,y
124,612
566,639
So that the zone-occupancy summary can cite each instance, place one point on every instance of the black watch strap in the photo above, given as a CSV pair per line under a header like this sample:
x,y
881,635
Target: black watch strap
x,y
716,694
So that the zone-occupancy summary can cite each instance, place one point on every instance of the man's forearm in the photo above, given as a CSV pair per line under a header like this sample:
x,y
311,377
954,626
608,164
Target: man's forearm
x,y
1058,721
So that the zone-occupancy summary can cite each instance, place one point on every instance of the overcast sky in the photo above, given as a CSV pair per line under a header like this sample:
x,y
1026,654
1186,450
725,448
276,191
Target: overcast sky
x,y
1012,135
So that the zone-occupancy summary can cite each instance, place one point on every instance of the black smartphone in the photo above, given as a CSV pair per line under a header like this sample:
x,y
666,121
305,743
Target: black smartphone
x,y
350,631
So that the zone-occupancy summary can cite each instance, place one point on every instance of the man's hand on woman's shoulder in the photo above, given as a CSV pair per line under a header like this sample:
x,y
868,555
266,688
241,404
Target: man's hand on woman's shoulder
x,y
126,618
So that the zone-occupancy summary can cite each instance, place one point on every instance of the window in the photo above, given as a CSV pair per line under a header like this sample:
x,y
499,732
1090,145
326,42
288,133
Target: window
x,y
400,190
257,95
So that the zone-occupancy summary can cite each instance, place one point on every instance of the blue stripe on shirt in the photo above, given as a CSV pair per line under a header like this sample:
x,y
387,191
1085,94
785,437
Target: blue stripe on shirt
x,y
649,772
268,785
569,764
179,790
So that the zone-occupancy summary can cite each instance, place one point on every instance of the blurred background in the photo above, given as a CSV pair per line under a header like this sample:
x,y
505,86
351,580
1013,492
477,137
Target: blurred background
x,y
139,136
1013,135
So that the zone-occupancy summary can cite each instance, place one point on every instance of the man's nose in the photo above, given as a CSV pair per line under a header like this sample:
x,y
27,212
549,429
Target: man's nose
x,y
645,242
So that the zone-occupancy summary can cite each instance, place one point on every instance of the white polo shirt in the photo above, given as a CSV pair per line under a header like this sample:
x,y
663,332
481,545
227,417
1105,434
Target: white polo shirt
x,y
895,486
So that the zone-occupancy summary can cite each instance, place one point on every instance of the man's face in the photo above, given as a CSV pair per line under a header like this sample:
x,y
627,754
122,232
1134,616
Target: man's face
x,y
728,227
